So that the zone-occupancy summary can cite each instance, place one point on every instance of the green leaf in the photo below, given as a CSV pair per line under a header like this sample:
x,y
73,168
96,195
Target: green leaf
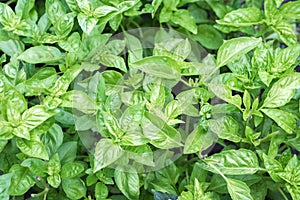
x,y
134,47
242,17
290,10
23,8
54,180
86,23
208,36
285,33
41,54
32,148
235,162
235,48
54,10
74,188
67,152
286,85
198,140
21,180
35,116
226,128
160,66
53,139
111,60
40,82
5,181
71,170
36,166
101,191
185,19
294,191
79,100
238,190
64,25
223,92
106,153
12,47
161,135
286,120
286,59
127,181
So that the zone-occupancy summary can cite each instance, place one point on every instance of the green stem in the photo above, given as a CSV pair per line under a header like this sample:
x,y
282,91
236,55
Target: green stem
x,y
10,2
282,193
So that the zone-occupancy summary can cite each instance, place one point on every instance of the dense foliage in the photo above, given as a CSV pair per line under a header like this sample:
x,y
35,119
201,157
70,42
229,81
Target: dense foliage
x,y
149,113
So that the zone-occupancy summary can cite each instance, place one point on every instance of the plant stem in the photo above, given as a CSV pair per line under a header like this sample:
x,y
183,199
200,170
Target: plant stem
x,y
282,193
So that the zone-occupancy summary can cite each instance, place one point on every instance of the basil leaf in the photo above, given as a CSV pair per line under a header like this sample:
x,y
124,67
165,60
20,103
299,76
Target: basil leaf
x,y
101,191
242,17
53,139
127,181
160,66
106,153
285,33
67,152
184,19
226,128
71,170
198,140
21,180
286,120
290,10
32,148
235,48
208,37
161,135
238,190
41,54
36,166
5,181
286,85
235,162
74,188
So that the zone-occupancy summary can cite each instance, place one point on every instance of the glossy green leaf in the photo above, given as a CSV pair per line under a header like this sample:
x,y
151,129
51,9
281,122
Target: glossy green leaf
x,y
160,66
290,10
101,191
242,17
198,140
235,162
209,37
286,120
41,54
285,33
238,190
127,181
36,166
226,128
67,152
286,85
106,153
54,180
286,59
79,100
161,135
71,170
235,48
5,181
35,116
74,188
64,25
53,139
21,180
185,19
33,148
